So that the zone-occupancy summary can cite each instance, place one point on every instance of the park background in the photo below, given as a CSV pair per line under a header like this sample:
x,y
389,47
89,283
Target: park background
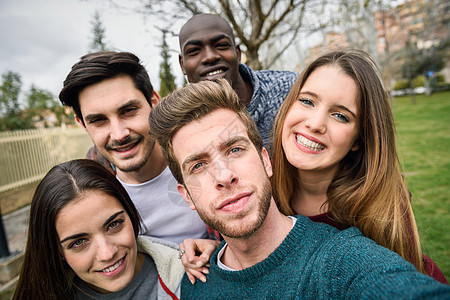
x,y
41,40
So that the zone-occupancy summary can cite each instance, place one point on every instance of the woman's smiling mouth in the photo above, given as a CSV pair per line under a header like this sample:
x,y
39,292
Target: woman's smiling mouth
x,y
308,143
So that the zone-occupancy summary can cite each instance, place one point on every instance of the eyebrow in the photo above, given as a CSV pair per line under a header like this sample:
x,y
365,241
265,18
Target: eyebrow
x,y
199,42
346,109
129,103
309,93
222,146
338,105
78,235
234,140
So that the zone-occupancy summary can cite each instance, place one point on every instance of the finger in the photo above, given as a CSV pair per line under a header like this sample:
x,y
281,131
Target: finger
x,y
194,273
191,277
191,264
189,247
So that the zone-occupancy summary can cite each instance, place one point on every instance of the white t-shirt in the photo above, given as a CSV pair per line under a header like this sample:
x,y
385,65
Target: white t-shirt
x,y
164,212
221,265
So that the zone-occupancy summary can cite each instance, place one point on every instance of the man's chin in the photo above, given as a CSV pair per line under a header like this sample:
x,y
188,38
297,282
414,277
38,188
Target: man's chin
x,y
127,168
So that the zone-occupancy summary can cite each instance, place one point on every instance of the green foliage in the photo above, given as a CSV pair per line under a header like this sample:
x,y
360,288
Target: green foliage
x,y
40,99
418,81
10,111
9,92
43,108
401,84
423,141
166,77
39,109
420,61
440,78
98,42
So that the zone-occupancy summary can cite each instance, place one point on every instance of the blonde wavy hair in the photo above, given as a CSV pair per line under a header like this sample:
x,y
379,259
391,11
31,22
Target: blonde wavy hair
x,y
369,191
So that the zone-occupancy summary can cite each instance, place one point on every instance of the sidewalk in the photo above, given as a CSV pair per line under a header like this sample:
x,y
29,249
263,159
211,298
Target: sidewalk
x,y
16,225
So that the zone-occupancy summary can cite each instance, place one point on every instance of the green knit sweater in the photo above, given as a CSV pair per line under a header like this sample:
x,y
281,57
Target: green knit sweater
x,y
317,261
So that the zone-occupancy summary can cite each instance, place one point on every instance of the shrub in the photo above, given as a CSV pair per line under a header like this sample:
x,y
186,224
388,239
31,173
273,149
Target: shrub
x,y
440,78
400,84
418,81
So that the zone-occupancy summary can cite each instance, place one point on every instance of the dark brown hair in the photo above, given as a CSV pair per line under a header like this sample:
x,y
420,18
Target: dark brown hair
x,y
96,67
44,274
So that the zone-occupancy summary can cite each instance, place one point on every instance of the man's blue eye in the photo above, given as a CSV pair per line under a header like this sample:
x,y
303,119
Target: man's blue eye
x,y
197,166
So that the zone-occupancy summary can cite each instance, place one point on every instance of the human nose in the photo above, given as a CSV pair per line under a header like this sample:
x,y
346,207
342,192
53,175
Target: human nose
x,y
316,122
224,176
210,55
106,250
118,131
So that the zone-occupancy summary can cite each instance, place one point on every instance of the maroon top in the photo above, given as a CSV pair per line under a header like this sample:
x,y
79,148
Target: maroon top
x,y
430,266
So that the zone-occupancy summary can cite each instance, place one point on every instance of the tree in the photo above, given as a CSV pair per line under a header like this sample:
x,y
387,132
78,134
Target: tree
x,y
9,92
10,112
40,98
265,29
40,106
98,42
426,47
166,77
43,110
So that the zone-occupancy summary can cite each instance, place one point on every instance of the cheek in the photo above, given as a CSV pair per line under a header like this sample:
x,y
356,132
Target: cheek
x,y
129,236
98,135
287,130
78,262
345,139
190,64
195,187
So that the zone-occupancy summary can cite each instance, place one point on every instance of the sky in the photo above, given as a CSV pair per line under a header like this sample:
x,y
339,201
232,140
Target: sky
x,y
42,39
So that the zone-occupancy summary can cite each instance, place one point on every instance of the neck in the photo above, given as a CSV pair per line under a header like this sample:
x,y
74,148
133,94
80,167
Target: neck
x,y
152,168
243,89
243,253
311,192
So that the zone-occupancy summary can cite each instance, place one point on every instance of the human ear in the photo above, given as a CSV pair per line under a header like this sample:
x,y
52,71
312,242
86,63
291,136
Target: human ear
x,y
238,52
186,196
155,99
180,60
266,162
355,146
79,121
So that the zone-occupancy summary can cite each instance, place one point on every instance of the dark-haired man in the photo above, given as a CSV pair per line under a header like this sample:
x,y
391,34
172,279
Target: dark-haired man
x,y
112,97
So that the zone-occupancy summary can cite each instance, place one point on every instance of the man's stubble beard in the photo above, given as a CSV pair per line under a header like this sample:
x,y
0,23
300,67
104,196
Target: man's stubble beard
x,y
140,164
221,225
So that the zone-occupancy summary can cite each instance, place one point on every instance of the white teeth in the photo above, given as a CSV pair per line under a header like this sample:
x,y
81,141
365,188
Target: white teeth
x,y
214,73
126,148
112,268
309,144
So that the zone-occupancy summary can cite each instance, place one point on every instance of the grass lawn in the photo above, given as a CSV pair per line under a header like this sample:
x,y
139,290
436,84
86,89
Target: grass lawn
x,y
423,138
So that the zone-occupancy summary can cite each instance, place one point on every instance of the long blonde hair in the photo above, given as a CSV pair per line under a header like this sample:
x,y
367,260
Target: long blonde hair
x,y
368,191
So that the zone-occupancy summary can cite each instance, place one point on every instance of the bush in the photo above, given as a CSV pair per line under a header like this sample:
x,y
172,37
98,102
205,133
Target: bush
x,y
400,84
418,81
440,78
